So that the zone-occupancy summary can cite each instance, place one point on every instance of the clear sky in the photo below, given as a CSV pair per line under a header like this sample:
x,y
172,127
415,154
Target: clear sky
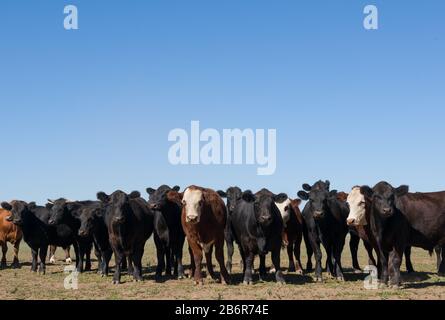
x,y
90,110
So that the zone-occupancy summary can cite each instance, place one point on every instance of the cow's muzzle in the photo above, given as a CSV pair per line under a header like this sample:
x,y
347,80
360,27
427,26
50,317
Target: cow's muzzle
x,y
192,219
318,214
83,233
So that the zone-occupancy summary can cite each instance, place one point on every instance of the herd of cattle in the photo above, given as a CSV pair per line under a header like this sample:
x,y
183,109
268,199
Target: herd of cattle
x,y
388,220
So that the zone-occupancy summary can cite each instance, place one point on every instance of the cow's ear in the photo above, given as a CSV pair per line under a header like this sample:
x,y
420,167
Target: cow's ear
x,y
32,205
402,190
134,195
222,194
307,187
102,196
333,193
248,196
366,191
328,184
49,206
303,195
6,206
176,188
297,202
150,191
280,198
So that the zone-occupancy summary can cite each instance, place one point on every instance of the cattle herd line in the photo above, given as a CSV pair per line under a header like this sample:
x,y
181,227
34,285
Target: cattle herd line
x,y
388,220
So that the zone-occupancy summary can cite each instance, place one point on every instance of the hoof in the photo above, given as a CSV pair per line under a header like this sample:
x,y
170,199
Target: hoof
x,y
52,260
199,283
68,260
358,271
115,282
300,272
272,271
318,279
247,283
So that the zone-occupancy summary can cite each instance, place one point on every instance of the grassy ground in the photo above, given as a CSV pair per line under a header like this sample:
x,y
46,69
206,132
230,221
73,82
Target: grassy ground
x,y
23,284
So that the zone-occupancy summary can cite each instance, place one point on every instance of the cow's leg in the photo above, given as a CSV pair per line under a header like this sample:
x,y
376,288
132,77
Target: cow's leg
x,y
4,251
178,254
230,249
192,263
160,253
309,250
52,254
208,255
137,261
168,261
197,258
124,264
290,254
371,259
409,265
118,257
384,276
248,265
262,270
219,255
395,261
67,255
15,262
106,262
79,256
353,246
276,263
42,254
441,261
318,256
338,249
329,259
34,253
297,253
89,248
130,269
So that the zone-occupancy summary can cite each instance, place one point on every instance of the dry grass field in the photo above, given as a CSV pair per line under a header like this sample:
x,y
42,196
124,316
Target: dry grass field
x,y
23,284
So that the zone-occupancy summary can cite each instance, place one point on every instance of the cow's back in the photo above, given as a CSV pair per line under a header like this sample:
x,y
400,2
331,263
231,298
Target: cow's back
x,y
425,213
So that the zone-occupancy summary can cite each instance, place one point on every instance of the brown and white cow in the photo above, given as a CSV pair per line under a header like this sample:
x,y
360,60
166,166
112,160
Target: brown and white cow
x,y
204,219
11,233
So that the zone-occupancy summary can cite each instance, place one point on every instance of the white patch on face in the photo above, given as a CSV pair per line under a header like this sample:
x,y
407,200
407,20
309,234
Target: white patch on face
x,y
284,210
192,199
357,211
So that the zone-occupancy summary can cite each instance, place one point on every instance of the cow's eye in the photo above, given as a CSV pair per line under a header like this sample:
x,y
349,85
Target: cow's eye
x,y
183,202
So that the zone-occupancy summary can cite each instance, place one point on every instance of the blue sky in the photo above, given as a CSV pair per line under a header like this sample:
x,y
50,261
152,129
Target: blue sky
x,y
91,109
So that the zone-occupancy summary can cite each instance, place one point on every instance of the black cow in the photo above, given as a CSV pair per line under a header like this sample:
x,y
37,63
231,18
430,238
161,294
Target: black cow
x,y
169,235
233,196
257,227
65,217
325,216
130,224
400,219
37,232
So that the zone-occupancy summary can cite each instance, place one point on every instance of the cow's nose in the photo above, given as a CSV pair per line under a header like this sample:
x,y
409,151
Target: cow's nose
x,y
119,219
51,221
386,210
9,218
192,219
82,233
350,222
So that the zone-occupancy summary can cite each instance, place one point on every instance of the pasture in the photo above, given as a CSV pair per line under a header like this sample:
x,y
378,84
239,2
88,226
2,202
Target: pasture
x,y
23,284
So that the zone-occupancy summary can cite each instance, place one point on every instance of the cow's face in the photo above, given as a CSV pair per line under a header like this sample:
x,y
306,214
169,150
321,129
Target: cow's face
x,y
383,197
88,220
192,202
283,204
58,210
263,210
357,208
318,196
18,209
233,195
117,206
159,198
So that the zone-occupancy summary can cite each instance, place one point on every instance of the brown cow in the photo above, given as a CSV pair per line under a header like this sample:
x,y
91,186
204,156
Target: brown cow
x,y
11,233
294,235
204,219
